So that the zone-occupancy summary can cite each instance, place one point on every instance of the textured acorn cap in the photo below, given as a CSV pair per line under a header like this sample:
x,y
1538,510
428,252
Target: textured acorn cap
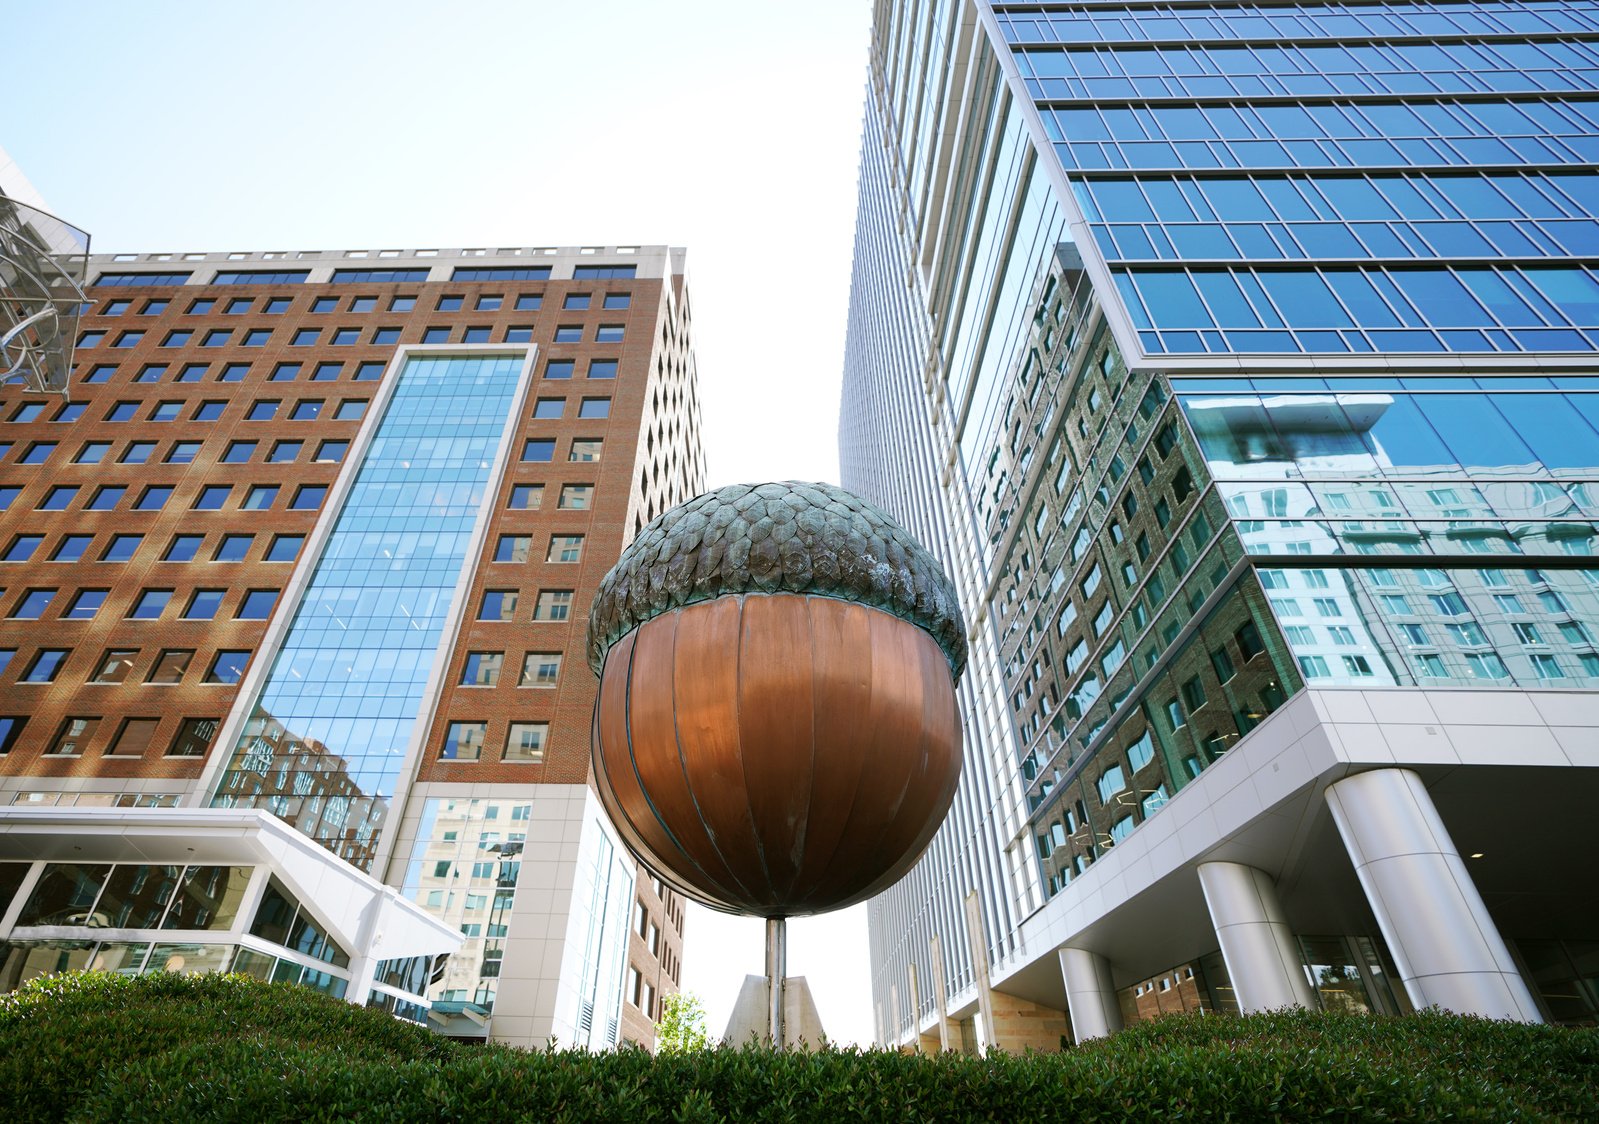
x,y
787,537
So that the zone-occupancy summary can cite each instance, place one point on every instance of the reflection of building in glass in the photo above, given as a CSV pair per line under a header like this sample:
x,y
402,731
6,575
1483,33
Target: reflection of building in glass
x,y
311,543
1257,424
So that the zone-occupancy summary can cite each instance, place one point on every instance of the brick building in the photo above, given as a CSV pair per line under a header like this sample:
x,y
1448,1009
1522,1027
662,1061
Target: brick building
x,y
315,534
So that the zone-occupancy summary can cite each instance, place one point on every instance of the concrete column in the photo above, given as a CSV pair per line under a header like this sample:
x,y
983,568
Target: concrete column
x,y
946,1037
1090,995
979,947
1448,950
1262,955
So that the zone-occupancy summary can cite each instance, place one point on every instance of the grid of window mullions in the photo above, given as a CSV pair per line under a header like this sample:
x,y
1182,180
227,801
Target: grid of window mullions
x,y
1076,23
1186,134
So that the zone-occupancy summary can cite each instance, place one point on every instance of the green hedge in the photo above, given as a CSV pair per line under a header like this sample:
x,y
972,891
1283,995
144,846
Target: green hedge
x,y
88,1047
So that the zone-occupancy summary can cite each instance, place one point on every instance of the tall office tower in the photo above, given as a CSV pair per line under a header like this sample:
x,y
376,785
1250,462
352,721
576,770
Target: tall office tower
x,y
1238,358
291,643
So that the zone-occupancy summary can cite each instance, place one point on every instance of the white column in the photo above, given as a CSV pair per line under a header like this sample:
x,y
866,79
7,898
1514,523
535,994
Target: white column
x,y
1448,950
979,946
1262,955
1090,995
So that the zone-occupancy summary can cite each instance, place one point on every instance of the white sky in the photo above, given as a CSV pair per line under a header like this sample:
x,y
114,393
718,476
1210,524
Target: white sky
x,y
730,127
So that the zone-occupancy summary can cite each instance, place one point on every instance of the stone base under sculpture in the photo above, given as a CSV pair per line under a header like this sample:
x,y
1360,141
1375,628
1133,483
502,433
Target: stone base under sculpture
x,y
802,1026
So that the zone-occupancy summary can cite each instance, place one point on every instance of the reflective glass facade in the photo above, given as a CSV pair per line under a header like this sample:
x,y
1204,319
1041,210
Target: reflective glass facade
x,y
1256,359
328,733
1373,120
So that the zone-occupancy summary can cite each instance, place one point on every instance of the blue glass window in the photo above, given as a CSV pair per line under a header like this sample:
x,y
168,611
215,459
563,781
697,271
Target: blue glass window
x,y
121,548
183,548
150,604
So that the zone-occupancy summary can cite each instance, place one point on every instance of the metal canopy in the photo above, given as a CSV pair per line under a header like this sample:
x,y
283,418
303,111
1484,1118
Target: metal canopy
x,y
43,265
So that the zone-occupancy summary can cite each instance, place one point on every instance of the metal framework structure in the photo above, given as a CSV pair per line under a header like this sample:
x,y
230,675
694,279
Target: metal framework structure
x,y
43,266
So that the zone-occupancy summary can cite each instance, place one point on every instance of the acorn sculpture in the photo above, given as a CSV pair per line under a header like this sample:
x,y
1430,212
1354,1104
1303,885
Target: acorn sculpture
x,y
776,730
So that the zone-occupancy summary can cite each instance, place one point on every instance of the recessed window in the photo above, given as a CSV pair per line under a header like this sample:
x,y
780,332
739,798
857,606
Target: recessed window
x,y
363,304
351,409
569,333
121,548
256,337
150,372
306,409
402,304
149,605
602,368
549,408
263,409
512,548
212,497
326,372
71,548
171,665
386,336
306,337
69,412
526,740
153,498
325,304
576,301
608,333
10,729
259,497
233,548
32,604
519,334
183,548
498,605
228,667
129,339
276,306
137,452
618,300
22,548
93,452
203,605
595,408
201,306
436,335
90,339
27,412
538,449
553,605
529,302
309,497
565,548
74,737
209,410
344,337
285,372
216,337
526,497
115,665
576,497
193,372
586,449
194,737
99,374
284,548
233,372
122,411
183,452
489,303
540,669
463,741
85,605
331,452
482,669
115,308
58,497
370,371
285,452
477,334
238,306
178,337
239,452
8,492
449,304
133,738
257,605
46,665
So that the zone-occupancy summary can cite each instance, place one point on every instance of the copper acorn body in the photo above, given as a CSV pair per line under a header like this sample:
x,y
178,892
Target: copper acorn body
x,y
771,751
